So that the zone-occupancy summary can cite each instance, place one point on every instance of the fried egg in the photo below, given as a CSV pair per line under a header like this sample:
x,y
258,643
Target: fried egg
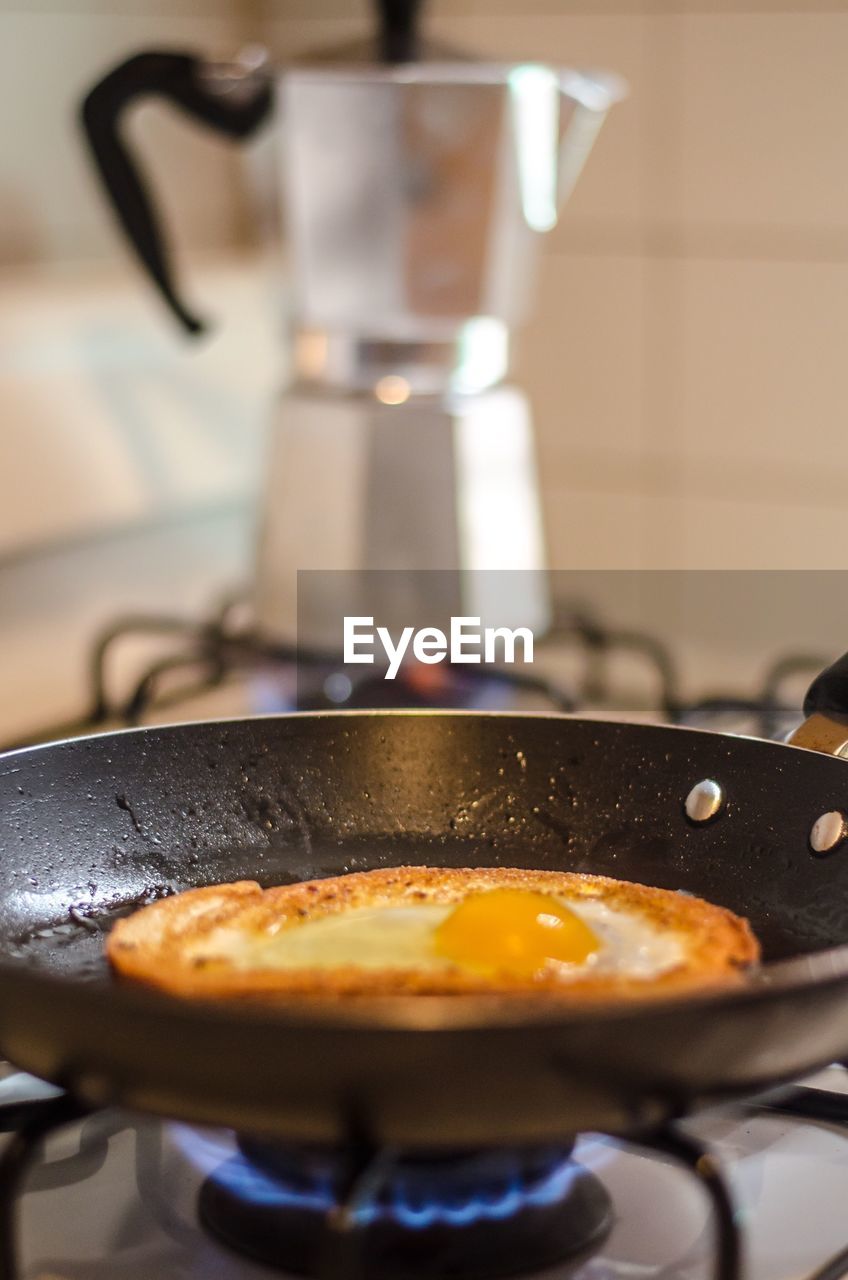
x,y
432,931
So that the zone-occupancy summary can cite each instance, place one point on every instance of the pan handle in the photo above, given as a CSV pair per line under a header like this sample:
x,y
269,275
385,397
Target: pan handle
x,y
826,710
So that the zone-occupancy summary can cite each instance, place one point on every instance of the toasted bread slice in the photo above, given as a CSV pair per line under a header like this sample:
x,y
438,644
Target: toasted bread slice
x,y
213,942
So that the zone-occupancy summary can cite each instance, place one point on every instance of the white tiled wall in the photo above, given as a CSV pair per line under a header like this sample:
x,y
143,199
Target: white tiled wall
x,y
689,360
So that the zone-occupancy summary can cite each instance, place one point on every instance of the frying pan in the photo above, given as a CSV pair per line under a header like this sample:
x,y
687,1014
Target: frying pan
x,y
95,826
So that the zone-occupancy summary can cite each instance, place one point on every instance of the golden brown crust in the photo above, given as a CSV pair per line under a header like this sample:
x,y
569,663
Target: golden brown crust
x,y
154,945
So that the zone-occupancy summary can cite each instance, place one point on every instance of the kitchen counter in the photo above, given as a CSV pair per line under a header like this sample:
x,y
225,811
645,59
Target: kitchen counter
x,y
55,602
111,417
130,461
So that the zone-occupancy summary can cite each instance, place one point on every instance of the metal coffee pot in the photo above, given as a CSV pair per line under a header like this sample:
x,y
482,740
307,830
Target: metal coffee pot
x,y
414,198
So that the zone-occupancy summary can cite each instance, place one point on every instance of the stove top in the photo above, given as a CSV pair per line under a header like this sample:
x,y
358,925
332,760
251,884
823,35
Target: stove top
x,y
153,669
121,1196
118,1195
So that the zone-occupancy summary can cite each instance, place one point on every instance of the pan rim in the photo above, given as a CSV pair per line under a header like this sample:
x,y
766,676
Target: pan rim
x,y
394,713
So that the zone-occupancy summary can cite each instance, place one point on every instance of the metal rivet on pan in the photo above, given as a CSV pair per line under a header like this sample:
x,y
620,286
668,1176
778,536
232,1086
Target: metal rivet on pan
x,y
828,832
704,801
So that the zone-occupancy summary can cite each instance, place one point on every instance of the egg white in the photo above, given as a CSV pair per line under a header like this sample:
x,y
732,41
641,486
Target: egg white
x,y
403,938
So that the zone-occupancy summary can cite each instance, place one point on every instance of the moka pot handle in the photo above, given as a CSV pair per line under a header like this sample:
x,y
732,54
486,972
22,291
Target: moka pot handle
x,y
233,105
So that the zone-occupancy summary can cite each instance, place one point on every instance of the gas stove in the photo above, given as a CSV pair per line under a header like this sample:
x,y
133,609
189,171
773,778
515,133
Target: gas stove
x,y
162,668
114,1194
131,1197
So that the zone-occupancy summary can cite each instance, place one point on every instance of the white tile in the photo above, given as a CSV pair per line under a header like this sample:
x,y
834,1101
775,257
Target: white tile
x,y
580,361
765,119
754,6
689,532
662,92
595,530
290,34
764,372
664,347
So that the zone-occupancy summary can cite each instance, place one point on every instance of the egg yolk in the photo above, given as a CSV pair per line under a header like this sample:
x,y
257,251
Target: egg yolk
x,y
514,931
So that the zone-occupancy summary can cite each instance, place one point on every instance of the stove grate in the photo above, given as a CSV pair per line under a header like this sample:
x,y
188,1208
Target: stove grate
x,y
341,1257
195,656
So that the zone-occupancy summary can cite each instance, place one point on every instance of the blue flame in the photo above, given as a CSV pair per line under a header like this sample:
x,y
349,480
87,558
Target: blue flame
x,y
415,1212
428,1208
415,1197
478,1207
251,1183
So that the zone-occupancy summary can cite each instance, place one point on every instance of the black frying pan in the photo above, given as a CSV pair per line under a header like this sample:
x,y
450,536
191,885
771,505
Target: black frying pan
x,y
95,826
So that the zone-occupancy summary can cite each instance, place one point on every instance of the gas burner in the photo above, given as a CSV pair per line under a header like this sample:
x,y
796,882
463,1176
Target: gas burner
x,y
221,657
110,1169
464,1214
